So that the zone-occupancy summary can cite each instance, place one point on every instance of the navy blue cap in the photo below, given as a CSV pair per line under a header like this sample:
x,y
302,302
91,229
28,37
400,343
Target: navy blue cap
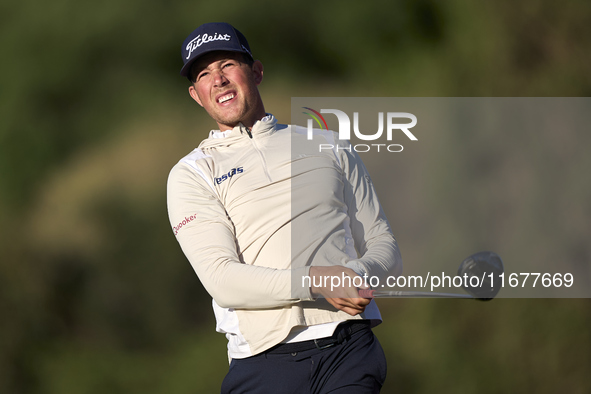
x,y
212,37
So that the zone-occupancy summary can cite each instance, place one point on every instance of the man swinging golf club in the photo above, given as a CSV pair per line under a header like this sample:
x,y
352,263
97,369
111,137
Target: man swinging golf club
x,y
263,218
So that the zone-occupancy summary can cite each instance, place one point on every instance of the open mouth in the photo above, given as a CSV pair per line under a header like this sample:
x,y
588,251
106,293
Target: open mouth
x,y
226,98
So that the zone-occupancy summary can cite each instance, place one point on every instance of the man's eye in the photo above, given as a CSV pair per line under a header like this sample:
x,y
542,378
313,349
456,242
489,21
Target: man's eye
x,y
201,75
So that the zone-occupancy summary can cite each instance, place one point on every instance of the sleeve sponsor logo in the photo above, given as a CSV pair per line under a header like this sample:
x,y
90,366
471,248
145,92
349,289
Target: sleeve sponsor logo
x,y
185,221
230,174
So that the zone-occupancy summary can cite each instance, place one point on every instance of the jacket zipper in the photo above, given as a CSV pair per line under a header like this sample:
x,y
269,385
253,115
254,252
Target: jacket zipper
x,y
256,148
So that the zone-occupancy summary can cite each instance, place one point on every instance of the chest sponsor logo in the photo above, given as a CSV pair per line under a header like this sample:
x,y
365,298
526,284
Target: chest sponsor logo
x,y
230,174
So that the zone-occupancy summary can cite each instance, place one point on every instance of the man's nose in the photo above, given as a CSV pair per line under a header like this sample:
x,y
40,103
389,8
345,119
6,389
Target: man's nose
x,y
219,79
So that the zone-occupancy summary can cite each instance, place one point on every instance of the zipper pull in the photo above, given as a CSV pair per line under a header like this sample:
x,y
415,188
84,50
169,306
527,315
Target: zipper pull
x,y
247,130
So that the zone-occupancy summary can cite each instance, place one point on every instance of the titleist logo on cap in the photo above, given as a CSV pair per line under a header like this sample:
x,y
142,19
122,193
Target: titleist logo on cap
x,y
200,40
218,36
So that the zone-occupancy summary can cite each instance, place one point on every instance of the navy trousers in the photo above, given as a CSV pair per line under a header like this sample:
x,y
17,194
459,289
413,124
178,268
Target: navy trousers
x,y
356,366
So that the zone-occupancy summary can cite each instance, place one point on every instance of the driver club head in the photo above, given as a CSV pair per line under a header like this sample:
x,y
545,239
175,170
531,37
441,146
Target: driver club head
x,y
481,265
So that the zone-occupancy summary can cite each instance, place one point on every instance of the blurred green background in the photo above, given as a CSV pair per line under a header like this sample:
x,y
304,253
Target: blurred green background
x,y
95,294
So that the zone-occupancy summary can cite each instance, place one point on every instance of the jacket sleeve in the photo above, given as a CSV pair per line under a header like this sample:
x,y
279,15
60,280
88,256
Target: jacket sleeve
x,y
207,238
374,241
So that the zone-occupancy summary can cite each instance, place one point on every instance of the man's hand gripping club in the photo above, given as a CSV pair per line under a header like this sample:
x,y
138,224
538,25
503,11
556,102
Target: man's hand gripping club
x,y
344,297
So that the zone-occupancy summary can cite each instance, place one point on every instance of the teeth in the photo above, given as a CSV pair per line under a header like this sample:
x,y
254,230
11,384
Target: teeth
x,y
226,98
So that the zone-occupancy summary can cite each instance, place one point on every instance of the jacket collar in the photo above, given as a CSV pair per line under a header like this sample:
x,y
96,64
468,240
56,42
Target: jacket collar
x,y
260,126
224,138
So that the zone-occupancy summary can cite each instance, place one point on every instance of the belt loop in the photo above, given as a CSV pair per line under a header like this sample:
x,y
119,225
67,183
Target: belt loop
x,y
342,335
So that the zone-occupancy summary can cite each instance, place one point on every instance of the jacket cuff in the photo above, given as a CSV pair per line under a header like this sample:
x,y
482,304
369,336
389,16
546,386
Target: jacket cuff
x,y
299,277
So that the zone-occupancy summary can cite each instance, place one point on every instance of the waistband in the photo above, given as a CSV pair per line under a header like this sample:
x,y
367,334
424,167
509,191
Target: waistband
x,y
343,332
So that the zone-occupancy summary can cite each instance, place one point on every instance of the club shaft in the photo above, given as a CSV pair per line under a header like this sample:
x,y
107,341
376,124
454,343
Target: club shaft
x,y
409,294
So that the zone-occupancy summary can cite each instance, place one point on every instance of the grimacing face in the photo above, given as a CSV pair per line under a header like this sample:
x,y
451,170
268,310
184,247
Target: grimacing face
x,y
226,87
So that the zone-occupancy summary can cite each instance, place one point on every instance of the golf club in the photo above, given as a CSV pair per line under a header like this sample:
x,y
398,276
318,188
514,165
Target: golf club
x,y
481,265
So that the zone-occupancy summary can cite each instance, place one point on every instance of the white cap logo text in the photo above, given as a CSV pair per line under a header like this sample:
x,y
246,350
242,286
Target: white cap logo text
x,y
200,40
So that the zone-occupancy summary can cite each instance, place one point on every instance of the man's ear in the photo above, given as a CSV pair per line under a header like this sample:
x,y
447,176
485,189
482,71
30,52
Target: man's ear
x,y
257,69
194,95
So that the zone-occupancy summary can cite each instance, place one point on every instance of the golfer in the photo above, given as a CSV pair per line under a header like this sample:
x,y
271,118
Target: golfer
x,y
279,233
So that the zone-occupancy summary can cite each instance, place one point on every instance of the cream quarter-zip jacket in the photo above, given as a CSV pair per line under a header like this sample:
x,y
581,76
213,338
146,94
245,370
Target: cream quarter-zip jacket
x,y
254,209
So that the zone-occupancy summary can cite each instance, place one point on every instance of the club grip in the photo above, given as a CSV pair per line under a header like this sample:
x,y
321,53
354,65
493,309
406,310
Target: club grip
x,y
366,293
